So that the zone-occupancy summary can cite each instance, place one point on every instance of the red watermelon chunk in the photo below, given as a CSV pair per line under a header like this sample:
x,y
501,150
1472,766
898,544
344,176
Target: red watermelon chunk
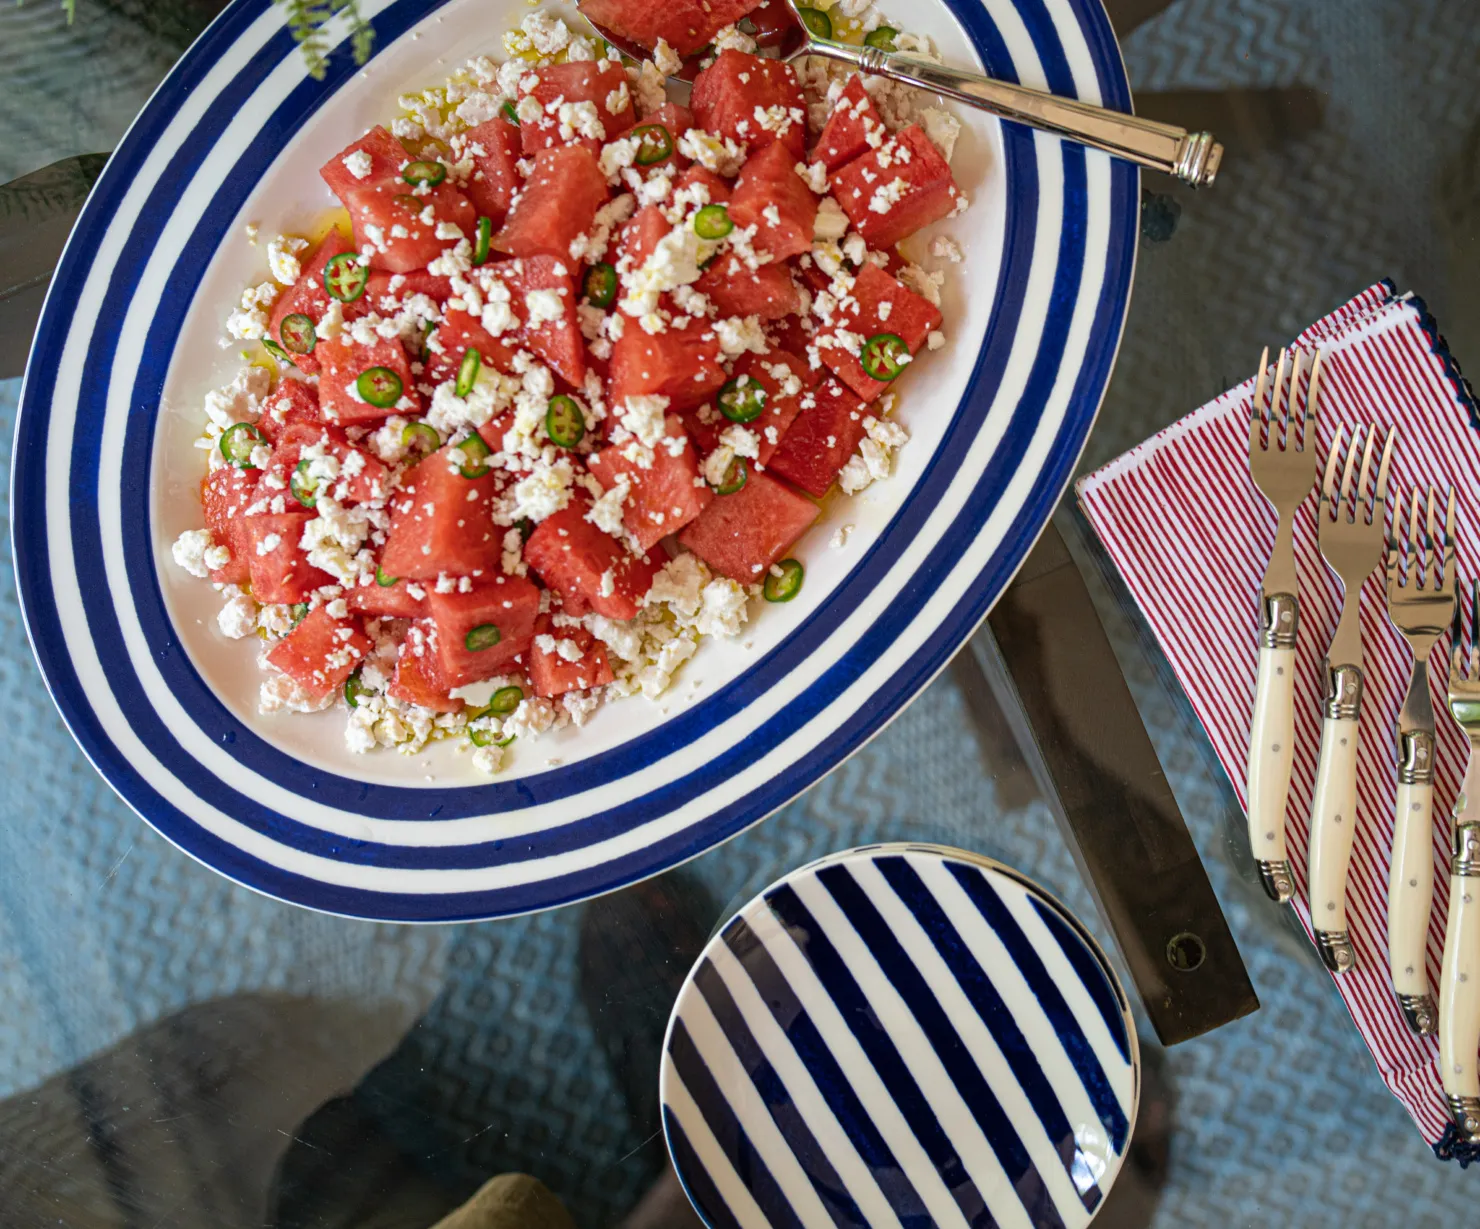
x,y
442,522
308,297
507,603
794,335
495,148
419,678
879,304
398,226
785,380
397,601
553,673
854,127
279,567
716,187
386,292
386,158
728,93
572,555
640,237
559,85
743,534
362,477
291,403
821,438
676,121
736,290
223,496
684,365
559,341
559,203
454,337
891,192
686,25
344,360
664,497
771,196
321,652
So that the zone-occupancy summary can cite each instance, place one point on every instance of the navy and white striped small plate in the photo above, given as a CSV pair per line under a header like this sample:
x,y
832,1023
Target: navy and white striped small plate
x,y
900,1035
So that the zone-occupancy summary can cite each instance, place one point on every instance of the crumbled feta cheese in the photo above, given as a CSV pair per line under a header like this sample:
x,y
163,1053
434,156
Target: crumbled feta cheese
x,y
651,88
936,340
359,163
282,258
238,618
840,537
190,550
666,60
544,491
543,307
730,38
547,34
886,196
814,175
279,693
722,155
832,223
249,321
239,401
926,285
723,610
740,335
606,512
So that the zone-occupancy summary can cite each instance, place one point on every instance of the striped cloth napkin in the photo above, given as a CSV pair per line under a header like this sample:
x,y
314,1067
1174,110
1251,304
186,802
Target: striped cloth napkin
x,y
1190,535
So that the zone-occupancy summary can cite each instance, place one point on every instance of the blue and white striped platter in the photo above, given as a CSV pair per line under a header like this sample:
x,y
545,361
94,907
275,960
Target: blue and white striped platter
x,y
105,477
900,1035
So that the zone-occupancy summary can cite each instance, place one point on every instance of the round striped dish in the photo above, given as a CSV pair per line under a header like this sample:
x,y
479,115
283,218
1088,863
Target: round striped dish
x,y
900,1035
105,477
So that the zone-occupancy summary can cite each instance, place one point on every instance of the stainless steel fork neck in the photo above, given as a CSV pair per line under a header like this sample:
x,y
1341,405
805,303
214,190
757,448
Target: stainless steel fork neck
x,y
1279,620
1416,729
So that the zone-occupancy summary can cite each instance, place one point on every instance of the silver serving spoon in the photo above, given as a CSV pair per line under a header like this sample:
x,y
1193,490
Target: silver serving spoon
x,y
1192,157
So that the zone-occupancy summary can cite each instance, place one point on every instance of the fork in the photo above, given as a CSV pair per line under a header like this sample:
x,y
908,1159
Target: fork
x,y
1459,971
1284,468
1352,520
1420,593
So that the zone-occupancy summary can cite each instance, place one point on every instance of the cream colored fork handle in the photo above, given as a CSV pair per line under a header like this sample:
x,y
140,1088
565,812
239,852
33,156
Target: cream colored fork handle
x,y
1410,902
1459,972
1271,755
1332,823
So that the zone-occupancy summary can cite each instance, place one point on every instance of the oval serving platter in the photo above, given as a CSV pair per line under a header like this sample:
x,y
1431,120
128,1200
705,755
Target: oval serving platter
x,y
106,476
900,1035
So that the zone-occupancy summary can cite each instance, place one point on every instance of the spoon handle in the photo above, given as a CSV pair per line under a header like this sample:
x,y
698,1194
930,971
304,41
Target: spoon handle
x,y
1192,157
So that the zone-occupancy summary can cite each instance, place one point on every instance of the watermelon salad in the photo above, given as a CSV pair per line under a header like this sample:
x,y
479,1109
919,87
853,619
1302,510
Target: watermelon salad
x,y
557,394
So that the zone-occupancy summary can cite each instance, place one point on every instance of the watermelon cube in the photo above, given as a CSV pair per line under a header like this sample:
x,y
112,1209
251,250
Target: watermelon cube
x,y
559,203
555,669
419,678
279,567
481,630
308,297
743,534
394,601
558,340
794,335
754,101
772,197
821,438
442,522
454,337
399,227
854,127
684,365
321,652
664,497
386,292
223,496
383,158
675,121
640,237
786,383
878,305
292,402
558,86
362,477
891,192
573,556
495,148
686,25
736,290
344,360
716,187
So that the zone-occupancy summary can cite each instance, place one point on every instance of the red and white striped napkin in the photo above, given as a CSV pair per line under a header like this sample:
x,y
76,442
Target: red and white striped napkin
x,y
1183,522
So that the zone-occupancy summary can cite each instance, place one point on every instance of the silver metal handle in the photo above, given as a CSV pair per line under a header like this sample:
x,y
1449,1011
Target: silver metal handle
x,y
1191,157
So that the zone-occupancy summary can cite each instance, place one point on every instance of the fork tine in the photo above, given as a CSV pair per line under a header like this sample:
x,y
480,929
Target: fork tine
x,y
1446,579
1279,399
1474,629
1431,541
1347,473
1290,419
1457,639
1329,490
1312,402
1380,495
1256,412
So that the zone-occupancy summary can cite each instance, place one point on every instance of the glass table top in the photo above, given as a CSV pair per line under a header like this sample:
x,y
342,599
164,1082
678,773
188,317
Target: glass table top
x,y
177,1051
